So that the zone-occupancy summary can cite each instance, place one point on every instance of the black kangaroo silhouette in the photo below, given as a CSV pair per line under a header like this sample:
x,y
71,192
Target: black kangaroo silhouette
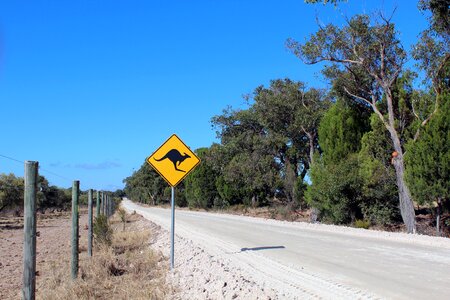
x,y
175,157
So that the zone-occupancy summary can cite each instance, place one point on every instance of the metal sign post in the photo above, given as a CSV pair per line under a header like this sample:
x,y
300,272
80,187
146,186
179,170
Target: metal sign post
x,y
172,231
173,160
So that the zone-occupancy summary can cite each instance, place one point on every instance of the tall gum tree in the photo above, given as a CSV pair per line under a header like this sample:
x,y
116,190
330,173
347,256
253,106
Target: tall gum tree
x,y
367,59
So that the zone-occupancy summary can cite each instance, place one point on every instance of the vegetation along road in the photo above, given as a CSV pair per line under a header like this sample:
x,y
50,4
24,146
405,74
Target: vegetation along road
x,y
318,260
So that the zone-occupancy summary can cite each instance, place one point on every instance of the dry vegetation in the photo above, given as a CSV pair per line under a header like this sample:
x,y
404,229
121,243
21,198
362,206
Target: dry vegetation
x,y
127,269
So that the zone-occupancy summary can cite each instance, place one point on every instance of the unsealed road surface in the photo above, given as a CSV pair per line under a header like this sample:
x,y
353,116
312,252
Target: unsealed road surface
x,y
304,260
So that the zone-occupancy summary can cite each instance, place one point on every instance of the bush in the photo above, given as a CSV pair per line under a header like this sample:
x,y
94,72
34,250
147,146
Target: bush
x,y
336,190
379,213
123,216
362,224
102,230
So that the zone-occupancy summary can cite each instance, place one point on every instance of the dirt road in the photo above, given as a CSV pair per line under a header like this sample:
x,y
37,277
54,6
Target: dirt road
x,y
300,260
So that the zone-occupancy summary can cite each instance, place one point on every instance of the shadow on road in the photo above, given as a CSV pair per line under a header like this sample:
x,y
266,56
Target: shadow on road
x,y
262,248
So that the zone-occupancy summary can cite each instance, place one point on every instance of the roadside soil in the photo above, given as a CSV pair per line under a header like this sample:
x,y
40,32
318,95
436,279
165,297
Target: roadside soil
x,y
52,244
52,247
127,270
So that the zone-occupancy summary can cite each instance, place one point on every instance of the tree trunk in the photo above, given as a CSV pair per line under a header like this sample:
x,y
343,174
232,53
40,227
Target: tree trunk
x,y
406,204
311,149
311,137
438,218
254,201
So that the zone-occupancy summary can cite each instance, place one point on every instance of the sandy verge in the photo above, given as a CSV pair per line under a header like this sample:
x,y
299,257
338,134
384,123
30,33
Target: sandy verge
x,y
199,274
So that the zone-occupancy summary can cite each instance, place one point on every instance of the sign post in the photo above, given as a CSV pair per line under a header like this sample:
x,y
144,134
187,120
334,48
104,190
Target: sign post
x,y
173,160
172,230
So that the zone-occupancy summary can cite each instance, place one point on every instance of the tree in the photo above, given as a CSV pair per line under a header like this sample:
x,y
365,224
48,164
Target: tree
x,y
270,146
428,162
249,167
336,189
432,53
200,185
440,15
145,185
11,191
336,186
340,132
378,186
370,58
290,113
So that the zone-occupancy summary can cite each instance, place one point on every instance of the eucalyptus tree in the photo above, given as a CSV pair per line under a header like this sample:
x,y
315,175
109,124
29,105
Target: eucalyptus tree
x,y
432,53
367,59
290,113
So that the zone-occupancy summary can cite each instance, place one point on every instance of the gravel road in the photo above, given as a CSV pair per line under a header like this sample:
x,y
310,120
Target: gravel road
x,y
301,260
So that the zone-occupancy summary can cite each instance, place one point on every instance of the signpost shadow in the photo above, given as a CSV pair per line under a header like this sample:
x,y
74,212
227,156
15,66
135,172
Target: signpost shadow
x,y
262,248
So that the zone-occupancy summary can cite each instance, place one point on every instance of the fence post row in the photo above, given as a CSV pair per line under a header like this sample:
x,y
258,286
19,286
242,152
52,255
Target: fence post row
x,y
29,227
90,222
75,193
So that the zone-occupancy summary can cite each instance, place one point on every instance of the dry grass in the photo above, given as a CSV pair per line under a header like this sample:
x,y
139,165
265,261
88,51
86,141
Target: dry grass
x,y
128,269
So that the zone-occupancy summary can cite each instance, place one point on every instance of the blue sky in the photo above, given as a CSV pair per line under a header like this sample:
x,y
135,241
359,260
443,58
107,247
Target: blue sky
x,y
91,88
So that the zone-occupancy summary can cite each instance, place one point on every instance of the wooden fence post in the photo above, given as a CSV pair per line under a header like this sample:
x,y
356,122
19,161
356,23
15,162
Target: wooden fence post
x,y
97,206
110,206
90,222
106,206
103,203
74,262
29,228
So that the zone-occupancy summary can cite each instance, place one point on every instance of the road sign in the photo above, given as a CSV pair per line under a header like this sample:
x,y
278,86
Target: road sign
x,y
173,160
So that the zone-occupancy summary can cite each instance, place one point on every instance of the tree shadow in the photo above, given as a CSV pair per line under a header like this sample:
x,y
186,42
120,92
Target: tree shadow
x,y
262,248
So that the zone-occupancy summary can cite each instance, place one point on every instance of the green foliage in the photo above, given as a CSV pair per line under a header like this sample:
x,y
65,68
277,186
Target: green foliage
x,y
11,191
146,186
246,158
362,224
335,190
266,148
229,194
122,216
440,15
102,231
379,189
200,184
428,158
340,132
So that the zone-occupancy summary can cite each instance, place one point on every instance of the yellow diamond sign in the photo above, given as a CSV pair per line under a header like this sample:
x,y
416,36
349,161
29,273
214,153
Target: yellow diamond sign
x,y
173,160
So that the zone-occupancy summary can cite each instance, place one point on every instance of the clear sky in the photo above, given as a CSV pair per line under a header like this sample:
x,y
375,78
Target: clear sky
x,y
91,88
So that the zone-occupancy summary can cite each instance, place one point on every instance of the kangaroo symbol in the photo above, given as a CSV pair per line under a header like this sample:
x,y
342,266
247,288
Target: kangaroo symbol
x,y
175,157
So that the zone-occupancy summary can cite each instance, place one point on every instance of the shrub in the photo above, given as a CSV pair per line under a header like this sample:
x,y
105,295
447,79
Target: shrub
x,y
102,230
123,217
362,224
